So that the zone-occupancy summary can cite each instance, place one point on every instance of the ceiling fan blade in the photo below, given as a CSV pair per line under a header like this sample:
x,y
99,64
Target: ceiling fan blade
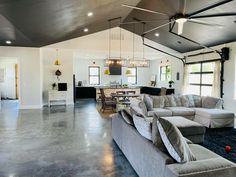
x,y
215,15
137,22
209,7
146,32
204,23
142,9
180,28
182,6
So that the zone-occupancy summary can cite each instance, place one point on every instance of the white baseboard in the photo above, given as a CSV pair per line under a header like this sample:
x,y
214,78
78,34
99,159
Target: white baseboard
x,y
30,107
68,104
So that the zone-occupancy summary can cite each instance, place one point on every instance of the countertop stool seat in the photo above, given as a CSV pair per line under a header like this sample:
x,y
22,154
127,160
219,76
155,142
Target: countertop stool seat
x,y
190,129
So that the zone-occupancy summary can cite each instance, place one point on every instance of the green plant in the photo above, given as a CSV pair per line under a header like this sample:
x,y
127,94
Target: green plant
x,y
171,82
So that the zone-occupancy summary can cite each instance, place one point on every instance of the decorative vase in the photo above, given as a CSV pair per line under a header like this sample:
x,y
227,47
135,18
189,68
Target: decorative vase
x,y
170,85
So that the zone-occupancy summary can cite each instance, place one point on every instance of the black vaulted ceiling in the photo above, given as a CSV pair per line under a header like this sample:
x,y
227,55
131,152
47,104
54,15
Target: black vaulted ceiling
x,y
36,23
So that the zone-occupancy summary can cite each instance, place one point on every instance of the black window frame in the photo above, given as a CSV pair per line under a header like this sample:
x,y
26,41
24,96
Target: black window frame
x,y
99,74
201,74
136,75
166,77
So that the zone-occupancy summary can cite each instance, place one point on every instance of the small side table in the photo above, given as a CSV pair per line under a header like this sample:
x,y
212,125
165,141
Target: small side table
x,y
57,96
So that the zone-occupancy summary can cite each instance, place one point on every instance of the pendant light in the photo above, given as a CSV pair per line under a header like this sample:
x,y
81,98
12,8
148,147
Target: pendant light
x,y
57,62
114,60
107,71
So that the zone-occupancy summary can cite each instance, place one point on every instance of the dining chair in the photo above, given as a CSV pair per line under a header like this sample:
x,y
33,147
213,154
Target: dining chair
x,y
108,103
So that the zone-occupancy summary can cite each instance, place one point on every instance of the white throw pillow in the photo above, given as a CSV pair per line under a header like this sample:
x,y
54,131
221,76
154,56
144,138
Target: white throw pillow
x,y
143,126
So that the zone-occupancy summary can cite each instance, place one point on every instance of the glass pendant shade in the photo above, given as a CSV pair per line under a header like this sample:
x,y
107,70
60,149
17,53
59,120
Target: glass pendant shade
x,y
107,72
128,72
57,62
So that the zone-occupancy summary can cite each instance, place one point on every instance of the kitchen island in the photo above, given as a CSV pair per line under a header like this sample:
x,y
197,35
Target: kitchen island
x,y
84,92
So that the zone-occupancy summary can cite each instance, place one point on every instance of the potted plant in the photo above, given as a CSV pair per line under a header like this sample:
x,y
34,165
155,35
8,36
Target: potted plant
x,y
54,86
170,83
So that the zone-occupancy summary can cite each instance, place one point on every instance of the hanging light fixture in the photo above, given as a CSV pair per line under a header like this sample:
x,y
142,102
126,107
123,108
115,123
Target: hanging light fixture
x,y
138,62
114,60
128,72
57,62
107,71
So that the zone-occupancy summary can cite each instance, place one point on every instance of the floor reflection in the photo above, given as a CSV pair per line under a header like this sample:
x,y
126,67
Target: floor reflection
x,y
71,142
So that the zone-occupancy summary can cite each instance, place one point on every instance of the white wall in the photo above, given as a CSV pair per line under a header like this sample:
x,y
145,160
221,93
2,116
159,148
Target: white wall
x,y
8,87
48,56
229,73
176,66
29,74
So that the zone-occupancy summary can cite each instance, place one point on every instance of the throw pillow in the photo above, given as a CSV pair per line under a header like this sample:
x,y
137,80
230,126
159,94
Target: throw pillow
x,y
171,100
156,137
190,100
158,102
127,116
143,126
178,100
212,102
174,142
143,107
197,100
167,102
185,101
138,108
148,102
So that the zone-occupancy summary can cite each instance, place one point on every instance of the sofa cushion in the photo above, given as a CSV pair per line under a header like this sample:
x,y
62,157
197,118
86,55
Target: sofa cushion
x,y
158,101
126,115
181,111
186,127
214,113
160,112
148,102
211,102
143,126
174,141
202,153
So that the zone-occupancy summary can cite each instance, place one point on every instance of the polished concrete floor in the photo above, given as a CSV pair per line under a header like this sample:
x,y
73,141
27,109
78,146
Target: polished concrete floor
x,y
61,142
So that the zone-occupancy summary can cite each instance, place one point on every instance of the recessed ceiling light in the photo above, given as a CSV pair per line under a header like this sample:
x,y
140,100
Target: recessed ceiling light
x,y
90,14
8,42
157,34
85,29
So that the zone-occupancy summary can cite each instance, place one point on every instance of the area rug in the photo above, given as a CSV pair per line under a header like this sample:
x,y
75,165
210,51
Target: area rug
x,y
217,139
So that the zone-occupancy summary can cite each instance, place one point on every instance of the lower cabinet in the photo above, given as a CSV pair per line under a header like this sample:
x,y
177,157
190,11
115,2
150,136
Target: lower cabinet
x,y
85,92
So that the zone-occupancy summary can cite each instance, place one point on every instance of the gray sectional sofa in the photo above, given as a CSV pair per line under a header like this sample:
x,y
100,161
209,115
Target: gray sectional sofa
x,y
204,110
149,161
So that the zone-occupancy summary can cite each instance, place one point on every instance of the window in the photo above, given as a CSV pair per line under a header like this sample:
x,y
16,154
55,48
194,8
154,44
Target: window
x,y
165,73
94,75
132,78
201,78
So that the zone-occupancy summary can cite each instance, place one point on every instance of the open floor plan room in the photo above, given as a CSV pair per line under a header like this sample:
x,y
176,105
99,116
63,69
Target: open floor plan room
x,y
117,88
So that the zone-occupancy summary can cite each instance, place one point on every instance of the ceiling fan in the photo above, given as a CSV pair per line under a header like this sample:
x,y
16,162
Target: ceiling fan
x,y
182,17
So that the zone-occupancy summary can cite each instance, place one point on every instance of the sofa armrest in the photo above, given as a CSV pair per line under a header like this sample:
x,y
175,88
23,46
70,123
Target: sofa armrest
x,y
212,102
216,167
